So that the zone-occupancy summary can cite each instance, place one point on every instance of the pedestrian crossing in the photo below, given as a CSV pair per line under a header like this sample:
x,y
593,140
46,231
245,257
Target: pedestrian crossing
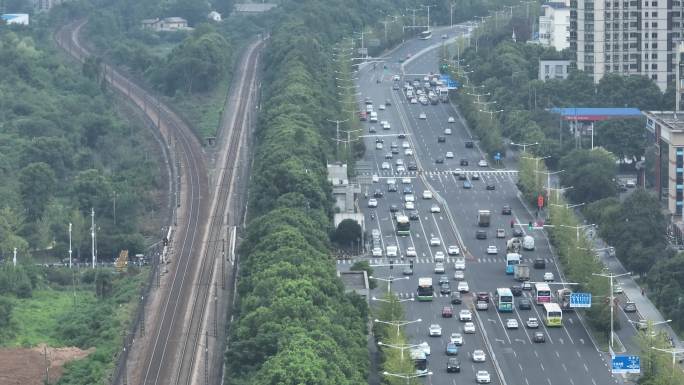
x,y
384,261
391,173
413,294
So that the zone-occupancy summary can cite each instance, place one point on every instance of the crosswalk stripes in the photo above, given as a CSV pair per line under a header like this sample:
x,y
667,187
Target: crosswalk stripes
x,y
389,173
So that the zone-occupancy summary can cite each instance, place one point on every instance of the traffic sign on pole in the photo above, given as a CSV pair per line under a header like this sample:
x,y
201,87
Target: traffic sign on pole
x,y
497,156
626,364
580,300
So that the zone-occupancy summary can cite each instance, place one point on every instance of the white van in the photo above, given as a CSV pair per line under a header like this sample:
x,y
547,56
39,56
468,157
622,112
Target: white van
x,y
392,251
528,243
373,117
459,263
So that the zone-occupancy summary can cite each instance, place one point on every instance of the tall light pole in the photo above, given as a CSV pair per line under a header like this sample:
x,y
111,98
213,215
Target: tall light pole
x,y
451,14
92,235
558,191
611,276
536,164
70,251
407,377
548,180
389,281
569,206
491,113
14,258
525,145
398,323
673,352
400,347
428,14
577,228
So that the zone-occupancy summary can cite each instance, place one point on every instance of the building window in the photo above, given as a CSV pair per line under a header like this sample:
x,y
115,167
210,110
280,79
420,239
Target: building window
x,y
654,45
654,35
654,66
655,3
654,56
654,25
654,77
654,14
645,45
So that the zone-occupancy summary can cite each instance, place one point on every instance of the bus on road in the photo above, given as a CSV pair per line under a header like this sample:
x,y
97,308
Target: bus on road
x,y
420,361
403,225
553,315
512,259
542,293
503,300
425,289
425,35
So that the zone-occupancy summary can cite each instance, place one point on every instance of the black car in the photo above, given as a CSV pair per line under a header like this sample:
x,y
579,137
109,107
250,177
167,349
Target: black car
x,y
439,160
378,194
462,176
412,166
395,151
524,304
464,162
516,290
481,234
388,155
379,140
444,288
453,365
414,216
408,190
517,232
388,102
401,136
539,263
490,186
456,298
630,307
372,129
408,270
391,188
539,337
469,144
441,139
506,210
394,208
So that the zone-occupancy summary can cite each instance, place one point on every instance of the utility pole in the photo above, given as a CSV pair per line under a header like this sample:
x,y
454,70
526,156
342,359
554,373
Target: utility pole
x,y
611,276
92,235
413,20
14,258
337,135
70,250
428,15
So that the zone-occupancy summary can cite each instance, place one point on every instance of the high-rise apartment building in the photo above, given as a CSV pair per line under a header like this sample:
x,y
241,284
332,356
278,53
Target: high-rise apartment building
x,y
630,37
554,24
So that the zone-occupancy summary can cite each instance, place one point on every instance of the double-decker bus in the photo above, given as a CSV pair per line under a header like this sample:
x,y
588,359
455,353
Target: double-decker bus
x,y
512,259
503,299
403,225
425,35
542,293
553,315
420,361
425,289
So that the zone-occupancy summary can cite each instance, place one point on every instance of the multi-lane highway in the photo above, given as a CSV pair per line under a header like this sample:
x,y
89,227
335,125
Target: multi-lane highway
x,y
568,356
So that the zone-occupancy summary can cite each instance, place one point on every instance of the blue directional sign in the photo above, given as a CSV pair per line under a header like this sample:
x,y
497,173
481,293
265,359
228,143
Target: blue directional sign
x,y
580,300
626,364
497,156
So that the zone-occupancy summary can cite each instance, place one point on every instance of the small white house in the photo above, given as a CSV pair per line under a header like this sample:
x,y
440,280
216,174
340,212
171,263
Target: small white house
x,y
16,18
214,16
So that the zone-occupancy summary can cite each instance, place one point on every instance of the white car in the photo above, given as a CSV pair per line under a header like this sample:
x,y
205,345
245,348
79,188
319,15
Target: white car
x,y
447,131
434,241
451,120
439,256
449,155
411,252
385,166
435,330
409,198
548,276
511,323
482,163
459,263
439,268
408,152
410,206
377,252
378,146
425,347
399,162
463,287
401,168
435,209
396,78
459,275
465,315
405,180
482,377
414,101
427,194
456,339
532,323
453,250
392,251
381,107
372,203
422,116
617,289
375,178
469,328
491,249
479,355
405,144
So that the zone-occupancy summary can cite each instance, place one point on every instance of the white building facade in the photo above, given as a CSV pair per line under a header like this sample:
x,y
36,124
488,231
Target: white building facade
x,y
554,25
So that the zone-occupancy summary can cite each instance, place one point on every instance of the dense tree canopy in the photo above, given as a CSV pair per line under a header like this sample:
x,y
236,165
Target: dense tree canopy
x,y
591,174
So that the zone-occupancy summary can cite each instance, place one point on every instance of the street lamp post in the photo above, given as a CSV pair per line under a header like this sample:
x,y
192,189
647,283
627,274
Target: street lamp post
x,y
673,352
389,281
558,191
536,164
524,145
398,324
568,205
491,113
407,377
611,276
577,228
400,347
548,180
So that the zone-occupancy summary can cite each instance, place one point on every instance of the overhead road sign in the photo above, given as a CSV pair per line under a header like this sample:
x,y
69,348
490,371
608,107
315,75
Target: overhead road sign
x,y
580,300
626,364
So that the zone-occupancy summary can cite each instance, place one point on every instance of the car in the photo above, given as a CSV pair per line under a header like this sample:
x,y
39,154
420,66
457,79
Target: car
x,y
617,289
490,186
394,208
441,139
464,162
378,146
469,144
459,263
456,339
407,270
532,323
377,252
456,298
372,129
392,251
412,166
422,116
479,355
481,234
469,328
395,151
401,135
459,275
506,210
375,178
449,155
378,193
453,250
439,160
511,323
467,184
409,206
482,296
482,377
425,347
439,256
439,268
451,349
463,287
500,233
396,78
399,162
447,312
401,168
518,233
445,288
475,176
388,155
395,86
457,172
526,285
516,290
435,209
381,107
630,307
453,365
406,181
465,315
435,330
407,189
482,163
414,101
405,144
434,241
492,249
443,279
372,203
539,337
451,120
481,305
539,263
414,216
524,304
548,276
392,187
447,131
427,194
411,251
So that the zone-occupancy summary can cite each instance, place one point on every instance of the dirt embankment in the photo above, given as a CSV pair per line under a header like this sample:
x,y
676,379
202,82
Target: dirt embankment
x,y
21,366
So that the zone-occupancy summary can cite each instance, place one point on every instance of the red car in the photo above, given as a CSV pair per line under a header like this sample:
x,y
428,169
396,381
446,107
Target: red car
x,y
447,312
483,296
